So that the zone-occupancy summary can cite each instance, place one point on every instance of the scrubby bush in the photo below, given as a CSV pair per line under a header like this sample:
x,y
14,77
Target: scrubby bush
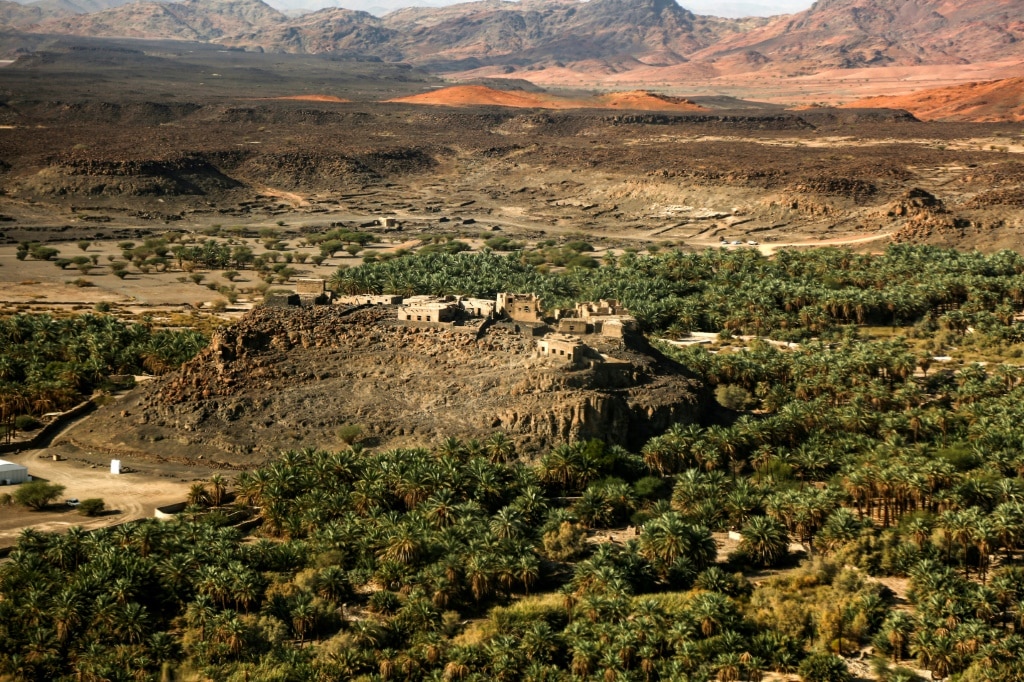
x,y
37,495
822,667
93,506
733,397
566,543
26,422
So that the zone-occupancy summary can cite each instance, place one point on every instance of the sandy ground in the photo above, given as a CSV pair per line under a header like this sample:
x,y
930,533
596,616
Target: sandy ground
x,y
41,283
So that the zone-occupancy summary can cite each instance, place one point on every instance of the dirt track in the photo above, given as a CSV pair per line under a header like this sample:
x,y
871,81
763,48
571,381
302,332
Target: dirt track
x,y
84,475
127,496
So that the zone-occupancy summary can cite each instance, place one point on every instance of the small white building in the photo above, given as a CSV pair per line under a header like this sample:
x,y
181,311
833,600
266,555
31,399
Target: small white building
x,y
11,473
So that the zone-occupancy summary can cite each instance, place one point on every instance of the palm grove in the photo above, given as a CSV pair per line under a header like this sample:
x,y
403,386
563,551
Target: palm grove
x,y
462,562
50,364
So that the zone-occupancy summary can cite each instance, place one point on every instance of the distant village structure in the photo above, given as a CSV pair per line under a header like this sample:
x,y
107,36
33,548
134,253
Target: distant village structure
x,y
561,347
308,292
561,336
520,307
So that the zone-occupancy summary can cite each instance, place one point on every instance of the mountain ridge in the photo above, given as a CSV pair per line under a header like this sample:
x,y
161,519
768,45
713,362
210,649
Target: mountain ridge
x,y
655,40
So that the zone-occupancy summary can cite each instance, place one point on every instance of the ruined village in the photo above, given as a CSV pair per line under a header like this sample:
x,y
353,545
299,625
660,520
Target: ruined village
x,y
570,336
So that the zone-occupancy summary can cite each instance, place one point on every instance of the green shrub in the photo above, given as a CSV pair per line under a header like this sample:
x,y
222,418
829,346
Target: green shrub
x,y
26,422
384,601
579,246
93,506
349,433
36,495
566,543
651,488
821,667
40,252
733,397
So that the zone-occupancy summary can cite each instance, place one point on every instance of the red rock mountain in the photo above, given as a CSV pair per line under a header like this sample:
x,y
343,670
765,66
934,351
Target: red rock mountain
x,y
856,33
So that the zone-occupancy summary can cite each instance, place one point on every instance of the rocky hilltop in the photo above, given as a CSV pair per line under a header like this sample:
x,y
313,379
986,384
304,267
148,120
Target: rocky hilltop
x,y
289,378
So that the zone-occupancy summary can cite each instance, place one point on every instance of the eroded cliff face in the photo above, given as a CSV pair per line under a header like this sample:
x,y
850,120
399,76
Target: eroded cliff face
x,y
289,378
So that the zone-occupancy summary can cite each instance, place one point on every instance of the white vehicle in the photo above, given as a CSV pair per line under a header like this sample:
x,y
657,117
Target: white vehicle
x,y
71,501
752,242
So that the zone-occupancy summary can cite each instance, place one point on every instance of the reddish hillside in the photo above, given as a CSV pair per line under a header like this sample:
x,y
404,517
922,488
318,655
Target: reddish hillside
x,y
480,95
315,98
1001,100
646,101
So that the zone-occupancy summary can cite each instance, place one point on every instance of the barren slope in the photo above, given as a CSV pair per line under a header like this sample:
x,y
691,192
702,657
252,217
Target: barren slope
x,y
15,15
612,31
478,95
201,20
1001,100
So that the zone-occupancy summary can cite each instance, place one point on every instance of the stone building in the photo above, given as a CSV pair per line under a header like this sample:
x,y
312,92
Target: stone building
x,y
478,307
572,325
616,326
560,346
280,299
368,299
312,291
607,317
520,307
603,308
428,309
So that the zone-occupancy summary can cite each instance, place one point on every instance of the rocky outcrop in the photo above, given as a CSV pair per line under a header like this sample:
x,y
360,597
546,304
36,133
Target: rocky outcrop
x,y
916,203
163,177
925,217
286,378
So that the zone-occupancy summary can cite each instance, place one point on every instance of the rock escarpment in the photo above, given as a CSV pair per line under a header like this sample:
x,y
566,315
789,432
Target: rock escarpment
x,y
290,378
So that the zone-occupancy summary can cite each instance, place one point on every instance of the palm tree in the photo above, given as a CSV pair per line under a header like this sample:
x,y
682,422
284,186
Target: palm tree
x,y
303,617
499,448
669,539
764,540
898,628
198,495
218,489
